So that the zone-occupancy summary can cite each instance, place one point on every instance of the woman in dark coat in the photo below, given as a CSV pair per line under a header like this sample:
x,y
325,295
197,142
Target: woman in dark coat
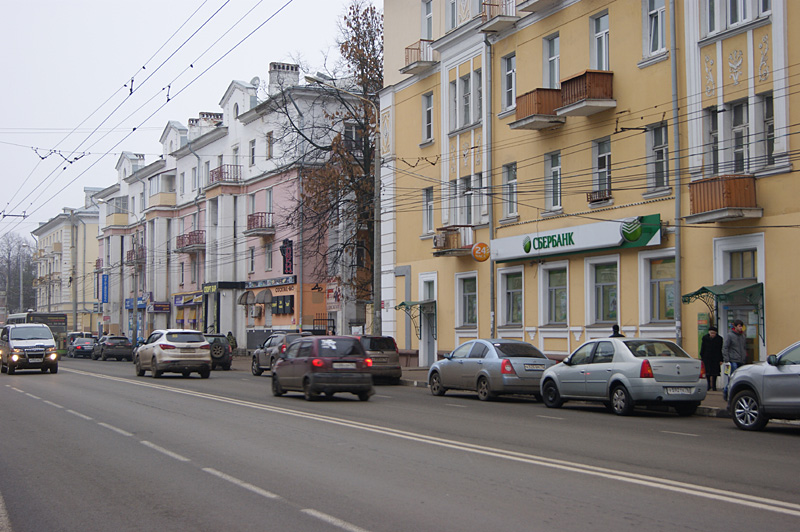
x,y
711,355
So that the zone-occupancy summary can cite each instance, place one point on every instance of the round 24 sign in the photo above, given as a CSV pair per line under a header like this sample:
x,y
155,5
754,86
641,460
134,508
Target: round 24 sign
x,y
480,252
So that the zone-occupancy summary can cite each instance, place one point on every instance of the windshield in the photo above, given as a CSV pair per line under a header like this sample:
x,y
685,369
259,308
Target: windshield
x,y
380,343
340,347
521,349
188,337
83,341
655,348
30,333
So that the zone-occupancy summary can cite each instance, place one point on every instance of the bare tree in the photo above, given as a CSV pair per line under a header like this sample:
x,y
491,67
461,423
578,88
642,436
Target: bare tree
x,y
15,253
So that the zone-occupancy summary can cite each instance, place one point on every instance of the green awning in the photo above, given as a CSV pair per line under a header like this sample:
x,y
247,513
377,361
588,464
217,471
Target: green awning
x,y
744,290
416,310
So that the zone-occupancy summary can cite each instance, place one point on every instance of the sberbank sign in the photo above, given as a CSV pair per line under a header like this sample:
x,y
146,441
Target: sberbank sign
x,y
630,232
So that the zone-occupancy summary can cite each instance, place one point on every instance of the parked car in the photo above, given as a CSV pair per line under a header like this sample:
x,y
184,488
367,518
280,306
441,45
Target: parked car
x,y
490,367
27,346
81,347
221,352
763,391
264,357
385,357
174,351
624,372
118,347
324,364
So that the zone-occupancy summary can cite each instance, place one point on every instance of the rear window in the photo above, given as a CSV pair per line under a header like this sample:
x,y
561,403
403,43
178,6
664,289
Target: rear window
x,y
340,347
117,340
512,350
30,333
655,348
83,341
186,337
380,343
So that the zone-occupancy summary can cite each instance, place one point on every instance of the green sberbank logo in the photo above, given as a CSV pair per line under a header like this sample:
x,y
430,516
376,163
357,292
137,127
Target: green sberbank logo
x,y
547,242
631,229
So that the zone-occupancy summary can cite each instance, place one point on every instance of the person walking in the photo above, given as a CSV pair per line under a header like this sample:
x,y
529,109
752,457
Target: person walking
x,y
734,351
711,355
232,340
615,332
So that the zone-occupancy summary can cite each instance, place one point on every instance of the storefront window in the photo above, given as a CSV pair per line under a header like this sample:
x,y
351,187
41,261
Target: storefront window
x,y
469,301
662,289
743,264
557,296
513,294
605,286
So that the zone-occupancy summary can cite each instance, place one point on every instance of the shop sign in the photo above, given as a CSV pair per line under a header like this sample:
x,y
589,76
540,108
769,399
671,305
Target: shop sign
x,y
158,307
480,252
625,233
275,281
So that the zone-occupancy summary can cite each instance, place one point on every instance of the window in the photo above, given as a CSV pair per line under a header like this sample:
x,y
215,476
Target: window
x,y
183,182
765,6
251,259
252,152
427,213
466,94
769,130
194,178
557,296
427,116
552,188
510,189
270,143
465,200
182,278
509,82
427,19
451,14
711,16
600,28
737,11
605,293
453,200
428,290
268,257
512,296
656,26
207,172
193,265
477,81
142,204
712,160
740,129
743,264
468,300
453,106
268,201
659,157
353,140
552,63
662,289
602,173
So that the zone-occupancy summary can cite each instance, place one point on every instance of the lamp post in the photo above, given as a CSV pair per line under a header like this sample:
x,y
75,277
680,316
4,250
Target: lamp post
x,y
377,325
21,307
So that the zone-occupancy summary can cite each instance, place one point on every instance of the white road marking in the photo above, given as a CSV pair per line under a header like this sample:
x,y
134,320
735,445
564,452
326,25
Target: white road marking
x,y
383,396
681,433
550,417
344,525
82,416
692,490
33,396
242,484
51,403
167,452
115,429
455,405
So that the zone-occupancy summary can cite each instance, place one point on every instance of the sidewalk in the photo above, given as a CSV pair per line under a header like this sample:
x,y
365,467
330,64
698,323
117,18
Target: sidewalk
x,y
712,406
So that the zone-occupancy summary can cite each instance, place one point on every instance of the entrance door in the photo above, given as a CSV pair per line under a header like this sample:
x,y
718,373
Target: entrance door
x,y
749,316
428,342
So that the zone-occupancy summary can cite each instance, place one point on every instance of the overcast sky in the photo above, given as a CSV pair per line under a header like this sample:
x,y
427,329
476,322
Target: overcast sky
x,y
67,67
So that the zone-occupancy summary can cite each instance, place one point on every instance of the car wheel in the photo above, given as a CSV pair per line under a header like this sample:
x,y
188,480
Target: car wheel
x,y
102,356
309,395
213,365
217,351
484,392
551,397
139,369
277,389
621,402
363,396
44,369
11,369
185,374
537,397
205,373
54,369
686,409
3,368
435,383
257,371
154,371
272,363
747,412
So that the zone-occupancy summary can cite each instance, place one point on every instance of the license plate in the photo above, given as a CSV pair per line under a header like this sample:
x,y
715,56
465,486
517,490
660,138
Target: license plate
x,y
678,390
190,350
533,367
380,360
33,360
344,365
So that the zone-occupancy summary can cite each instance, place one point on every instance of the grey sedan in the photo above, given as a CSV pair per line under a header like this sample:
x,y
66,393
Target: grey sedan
x,y
622,373
763,391
490,367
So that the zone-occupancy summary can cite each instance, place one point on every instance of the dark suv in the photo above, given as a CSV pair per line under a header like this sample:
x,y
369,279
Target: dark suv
x,y
118,347
385,357
265,356
221,352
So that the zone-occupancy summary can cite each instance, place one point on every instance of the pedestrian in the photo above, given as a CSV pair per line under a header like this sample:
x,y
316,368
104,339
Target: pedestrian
x,y
734,351
232,340
711,355
615,332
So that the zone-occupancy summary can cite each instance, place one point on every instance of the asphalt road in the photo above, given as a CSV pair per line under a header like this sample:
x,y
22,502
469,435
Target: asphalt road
x,y
95,448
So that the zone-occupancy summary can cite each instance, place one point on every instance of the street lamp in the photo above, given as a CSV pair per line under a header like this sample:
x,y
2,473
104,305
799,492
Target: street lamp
x,y
21,307
377,326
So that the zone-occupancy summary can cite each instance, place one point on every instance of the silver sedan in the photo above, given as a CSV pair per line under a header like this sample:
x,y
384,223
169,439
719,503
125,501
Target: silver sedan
x,y
490,367
624,372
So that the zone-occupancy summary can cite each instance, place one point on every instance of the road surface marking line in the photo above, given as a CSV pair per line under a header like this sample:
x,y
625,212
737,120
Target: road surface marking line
x,y
454,405
51,403
115,429
33,396
82,416
167,452
17,390
242,483
383,396
550,417
344,525
681,433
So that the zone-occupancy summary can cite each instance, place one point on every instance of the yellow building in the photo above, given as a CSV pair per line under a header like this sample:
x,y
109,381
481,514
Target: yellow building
x,y
546,130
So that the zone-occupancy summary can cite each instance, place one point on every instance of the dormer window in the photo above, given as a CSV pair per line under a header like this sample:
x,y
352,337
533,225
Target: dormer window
x,y
235,109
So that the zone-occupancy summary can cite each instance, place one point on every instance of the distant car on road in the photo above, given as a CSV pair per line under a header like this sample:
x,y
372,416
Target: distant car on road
x,y
385,357
624,372
81,347
274,346
118,347
27,346
763,391
490,367
174,351
324,364
221,352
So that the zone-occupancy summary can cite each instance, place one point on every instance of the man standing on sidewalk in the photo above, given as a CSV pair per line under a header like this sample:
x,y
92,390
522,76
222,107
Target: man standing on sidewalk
x,y
733,351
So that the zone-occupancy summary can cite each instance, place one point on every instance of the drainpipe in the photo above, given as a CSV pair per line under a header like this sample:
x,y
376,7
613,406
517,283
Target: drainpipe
x,y
677,165
488,195
300,252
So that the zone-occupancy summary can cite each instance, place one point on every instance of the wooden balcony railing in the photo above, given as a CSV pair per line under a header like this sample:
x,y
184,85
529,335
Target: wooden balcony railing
x,y
538,102
192,239
723,192
454,240
226,173
588,85
499,8
419,51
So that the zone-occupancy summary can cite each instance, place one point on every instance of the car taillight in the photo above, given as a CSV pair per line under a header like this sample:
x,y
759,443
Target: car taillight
x,y
207,346
646,372
368,362
166,346
506,368
702,370
283,348
317,363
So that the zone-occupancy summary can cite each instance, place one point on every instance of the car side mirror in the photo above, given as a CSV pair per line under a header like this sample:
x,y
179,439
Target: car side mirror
x,y
772,360
567,362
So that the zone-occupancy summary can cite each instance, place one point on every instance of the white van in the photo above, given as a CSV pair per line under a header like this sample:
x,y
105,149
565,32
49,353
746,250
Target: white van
x,y
27,346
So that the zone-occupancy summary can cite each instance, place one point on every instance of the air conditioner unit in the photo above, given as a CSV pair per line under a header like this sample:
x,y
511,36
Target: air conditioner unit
x,y
255,311
440,240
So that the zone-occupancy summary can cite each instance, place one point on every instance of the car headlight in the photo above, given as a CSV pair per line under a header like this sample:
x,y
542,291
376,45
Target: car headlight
x,y
14,358
50,350
53,356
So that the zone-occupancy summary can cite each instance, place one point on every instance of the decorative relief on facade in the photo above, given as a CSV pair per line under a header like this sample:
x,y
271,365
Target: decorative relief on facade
x,y
763,66
709,76
735,61
454,156
385,129
464,11
478,161
465,158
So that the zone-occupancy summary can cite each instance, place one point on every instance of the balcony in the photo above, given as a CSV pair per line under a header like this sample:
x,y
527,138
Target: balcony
x,y
723,198
260,224
191,242
419,57
537,110
98,265
453,241
597,196
498,15
136,256
535,6
227,173
587,93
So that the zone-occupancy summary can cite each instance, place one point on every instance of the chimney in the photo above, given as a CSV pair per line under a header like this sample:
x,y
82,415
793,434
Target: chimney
x,y
282,75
